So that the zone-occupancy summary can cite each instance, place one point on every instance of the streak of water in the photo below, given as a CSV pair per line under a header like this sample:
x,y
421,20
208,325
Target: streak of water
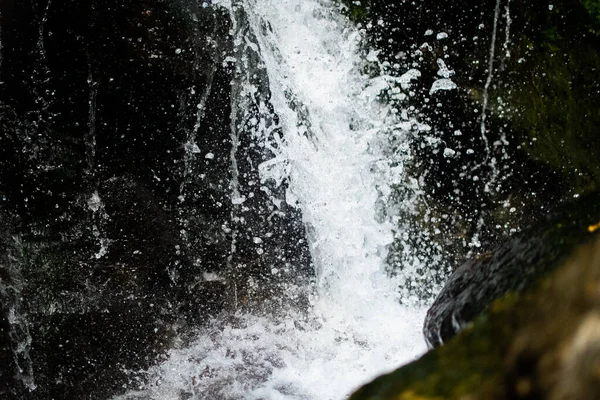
x,y
1,48
488,81
508,22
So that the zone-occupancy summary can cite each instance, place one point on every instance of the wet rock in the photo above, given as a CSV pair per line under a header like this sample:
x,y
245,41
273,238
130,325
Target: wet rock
x,y
8,388
536,80
94,354
116,163
16,373
542,344
511,267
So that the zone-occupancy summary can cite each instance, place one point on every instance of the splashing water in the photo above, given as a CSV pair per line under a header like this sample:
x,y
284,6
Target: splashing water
x,y
332,153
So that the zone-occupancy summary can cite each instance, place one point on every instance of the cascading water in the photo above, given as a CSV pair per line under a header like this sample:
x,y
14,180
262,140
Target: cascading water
x,y
331,150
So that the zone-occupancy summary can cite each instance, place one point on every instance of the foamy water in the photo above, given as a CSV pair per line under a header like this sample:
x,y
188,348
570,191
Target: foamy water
x,y
333,154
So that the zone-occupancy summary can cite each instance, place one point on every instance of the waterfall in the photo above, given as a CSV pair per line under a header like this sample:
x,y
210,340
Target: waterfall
x,y
329,153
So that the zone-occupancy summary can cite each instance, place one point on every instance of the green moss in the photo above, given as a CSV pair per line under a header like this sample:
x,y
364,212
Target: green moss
x,y
559,116
593,8
356,10
553,92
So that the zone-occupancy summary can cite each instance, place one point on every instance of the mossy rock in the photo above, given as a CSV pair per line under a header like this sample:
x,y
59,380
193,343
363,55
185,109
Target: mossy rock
x,y
544,344
551,89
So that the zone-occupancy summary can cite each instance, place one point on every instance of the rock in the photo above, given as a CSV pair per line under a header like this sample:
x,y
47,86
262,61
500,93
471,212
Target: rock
x,y
94,354
8,389
511,267
116,166
16,375
542,344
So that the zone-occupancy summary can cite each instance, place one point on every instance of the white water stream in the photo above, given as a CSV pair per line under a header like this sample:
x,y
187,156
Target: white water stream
x,y
335,158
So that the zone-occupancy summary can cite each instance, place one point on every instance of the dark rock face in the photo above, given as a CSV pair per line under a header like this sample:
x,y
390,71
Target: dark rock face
x,y
524,86
115,191
93,354
513,266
